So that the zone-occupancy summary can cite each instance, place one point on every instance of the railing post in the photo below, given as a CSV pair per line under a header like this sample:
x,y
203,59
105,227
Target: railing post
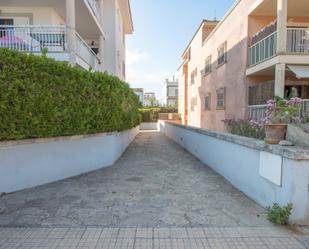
x,y
71,30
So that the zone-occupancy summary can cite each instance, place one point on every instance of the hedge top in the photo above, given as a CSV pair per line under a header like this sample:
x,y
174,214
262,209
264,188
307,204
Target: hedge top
x,y
41,97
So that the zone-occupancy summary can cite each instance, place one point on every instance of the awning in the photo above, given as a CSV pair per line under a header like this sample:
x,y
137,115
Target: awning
x,y
300,71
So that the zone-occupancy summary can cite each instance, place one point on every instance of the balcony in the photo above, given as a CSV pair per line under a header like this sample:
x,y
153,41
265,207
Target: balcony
x,y
35,38
266,48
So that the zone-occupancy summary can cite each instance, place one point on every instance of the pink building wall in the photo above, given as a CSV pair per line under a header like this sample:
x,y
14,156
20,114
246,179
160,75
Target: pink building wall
x,y
236,28
231,75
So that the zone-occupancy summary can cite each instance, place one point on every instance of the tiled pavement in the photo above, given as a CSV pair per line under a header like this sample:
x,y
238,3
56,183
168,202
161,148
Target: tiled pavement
x,y
150,238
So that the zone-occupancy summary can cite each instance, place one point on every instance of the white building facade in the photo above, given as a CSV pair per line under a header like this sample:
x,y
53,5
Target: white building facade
x,y
87,33
170,93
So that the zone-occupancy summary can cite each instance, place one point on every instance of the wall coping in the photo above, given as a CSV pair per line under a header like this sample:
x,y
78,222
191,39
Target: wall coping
x,y
10,143
289,152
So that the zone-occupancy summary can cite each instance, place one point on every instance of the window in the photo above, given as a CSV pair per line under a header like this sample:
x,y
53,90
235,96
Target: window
x,y
221,98
193,75
222,54
208,102
207,69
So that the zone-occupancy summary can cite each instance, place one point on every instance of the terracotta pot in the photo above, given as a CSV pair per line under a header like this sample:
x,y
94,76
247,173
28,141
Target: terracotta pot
x,y
275,133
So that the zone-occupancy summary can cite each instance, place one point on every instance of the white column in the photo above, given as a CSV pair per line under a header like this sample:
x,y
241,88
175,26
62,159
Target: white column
x,y
282,15
102,39
71,29
110,50
280,80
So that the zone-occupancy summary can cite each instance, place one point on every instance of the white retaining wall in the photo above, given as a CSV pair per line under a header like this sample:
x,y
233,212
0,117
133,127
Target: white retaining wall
x,y
268,174
149,126
29,163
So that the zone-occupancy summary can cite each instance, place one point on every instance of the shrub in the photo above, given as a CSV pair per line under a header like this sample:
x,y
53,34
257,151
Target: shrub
x,y
279,215
168,109
41,97
149,114
244,128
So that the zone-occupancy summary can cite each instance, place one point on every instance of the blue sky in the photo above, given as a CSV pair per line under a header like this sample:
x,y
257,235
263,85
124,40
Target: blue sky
x,y
162,30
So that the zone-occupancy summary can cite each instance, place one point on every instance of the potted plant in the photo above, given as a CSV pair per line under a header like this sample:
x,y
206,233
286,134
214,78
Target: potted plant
x,y
280,112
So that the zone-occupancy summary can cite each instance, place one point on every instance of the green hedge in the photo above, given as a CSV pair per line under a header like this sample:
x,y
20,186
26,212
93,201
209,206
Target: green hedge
x,y
151,114
41,97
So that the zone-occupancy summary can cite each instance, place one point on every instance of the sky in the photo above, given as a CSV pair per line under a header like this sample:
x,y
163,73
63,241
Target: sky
x,y
162,30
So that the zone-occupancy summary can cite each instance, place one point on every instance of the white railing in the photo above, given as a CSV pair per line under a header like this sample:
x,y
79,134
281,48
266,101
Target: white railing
x,y
94,5
297,40
86,53
263,50
257,112
33,38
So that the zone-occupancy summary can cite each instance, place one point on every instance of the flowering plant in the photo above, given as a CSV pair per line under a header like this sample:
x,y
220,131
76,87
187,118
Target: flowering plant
x,y
280,110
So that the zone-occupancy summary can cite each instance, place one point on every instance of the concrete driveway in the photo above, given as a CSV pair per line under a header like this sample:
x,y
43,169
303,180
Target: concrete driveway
x,y
154,184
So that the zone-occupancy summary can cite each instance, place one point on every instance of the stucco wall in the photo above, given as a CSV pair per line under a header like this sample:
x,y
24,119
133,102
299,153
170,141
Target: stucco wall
x,y
240,165
29,163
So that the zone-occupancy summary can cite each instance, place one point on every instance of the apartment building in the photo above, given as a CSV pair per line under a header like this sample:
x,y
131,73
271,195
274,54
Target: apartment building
x,y
170,93
150,99
231,68
87,33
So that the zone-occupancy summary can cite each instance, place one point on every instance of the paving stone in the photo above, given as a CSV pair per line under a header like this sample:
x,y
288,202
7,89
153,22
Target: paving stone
x,y
162,233
128,233
145,233
144,238
141,243
162,243
196,232
179,233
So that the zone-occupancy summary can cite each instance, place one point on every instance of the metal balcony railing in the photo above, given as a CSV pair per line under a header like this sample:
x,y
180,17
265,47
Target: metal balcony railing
x,y
263,50
35,38
297,42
